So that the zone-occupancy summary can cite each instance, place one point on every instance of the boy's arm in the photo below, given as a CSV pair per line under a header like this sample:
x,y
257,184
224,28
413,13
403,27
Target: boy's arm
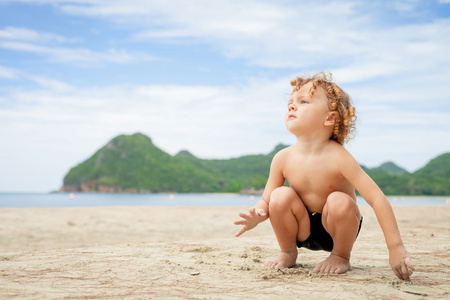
x,y
369,190
260,212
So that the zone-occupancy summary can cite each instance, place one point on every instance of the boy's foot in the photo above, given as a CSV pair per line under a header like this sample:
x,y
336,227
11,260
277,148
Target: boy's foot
x,y
283,260
334,265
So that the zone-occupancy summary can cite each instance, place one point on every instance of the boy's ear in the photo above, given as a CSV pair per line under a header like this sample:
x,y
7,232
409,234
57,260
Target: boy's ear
x,y
331,119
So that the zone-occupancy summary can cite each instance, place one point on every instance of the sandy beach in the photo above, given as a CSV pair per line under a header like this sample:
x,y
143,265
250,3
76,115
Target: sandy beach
x,y
191,253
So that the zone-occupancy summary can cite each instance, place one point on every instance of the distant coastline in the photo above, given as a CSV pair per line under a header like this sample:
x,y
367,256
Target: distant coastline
x,y
132,164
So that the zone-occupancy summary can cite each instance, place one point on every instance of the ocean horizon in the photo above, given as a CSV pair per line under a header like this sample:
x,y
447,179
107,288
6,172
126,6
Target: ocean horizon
x,y
53,200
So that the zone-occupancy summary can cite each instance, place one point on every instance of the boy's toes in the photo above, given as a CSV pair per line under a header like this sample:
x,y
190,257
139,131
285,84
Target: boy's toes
x,y
323,268
270,264
335,270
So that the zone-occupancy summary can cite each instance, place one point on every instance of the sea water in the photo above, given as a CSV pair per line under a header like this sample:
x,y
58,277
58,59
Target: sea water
x,y
96,199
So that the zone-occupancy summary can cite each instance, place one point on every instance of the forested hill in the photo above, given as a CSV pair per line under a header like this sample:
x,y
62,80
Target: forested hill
x,y
432,180
132,163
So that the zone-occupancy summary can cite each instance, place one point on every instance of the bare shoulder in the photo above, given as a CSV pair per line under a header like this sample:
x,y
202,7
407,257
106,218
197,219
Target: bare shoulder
x,y
340,155
337,149
282,155
280,159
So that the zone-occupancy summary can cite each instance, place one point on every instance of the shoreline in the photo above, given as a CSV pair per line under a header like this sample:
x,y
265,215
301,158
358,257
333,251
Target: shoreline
x,y
24,200
256,193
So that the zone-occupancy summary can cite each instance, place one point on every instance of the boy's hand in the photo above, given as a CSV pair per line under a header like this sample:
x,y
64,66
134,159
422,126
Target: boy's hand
x,y
250,220
401,263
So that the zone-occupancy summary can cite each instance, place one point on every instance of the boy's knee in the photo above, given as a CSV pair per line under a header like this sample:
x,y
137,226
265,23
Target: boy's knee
x,y
281,192
341,205
281,198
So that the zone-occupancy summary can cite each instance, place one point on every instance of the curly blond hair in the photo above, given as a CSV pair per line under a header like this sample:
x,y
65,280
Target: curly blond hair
x,y
338,101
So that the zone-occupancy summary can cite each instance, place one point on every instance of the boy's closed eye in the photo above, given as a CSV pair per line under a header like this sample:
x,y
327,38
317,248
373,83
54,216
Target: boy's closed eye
x,y
302,101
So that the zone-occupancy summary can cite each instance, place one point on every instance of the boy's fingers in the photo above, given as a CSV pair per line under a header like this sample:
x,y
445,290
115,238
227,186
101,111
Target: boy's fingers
x,y
261,212
244,216
405,272
409,264
240,222
398,273
407,268
241,231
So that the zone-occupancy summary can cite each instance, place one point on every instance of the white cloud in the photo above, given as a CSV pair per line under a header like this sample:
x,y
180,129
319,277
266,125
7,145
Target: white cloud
x,y
42,43
404,5
51,84
25,34
7,73
80,55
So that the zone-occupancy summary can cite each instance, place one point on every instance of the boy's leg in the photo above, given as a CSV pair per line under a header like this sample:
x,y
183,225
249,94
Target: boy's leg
x,y
340,218
290,221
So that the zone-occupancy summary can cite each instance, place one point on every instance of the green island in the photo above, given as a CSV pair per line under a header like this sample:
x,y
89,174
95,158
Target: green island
x,y
133,164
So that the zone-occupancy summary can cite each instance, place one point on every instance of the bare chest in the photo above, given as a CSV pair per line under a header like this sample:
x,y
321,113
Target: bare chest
x,y
314,180
311,172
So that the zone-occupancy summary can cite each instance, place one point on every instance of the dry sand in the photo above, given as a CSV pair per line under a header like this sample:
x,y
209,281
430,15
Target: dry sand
x,y
191,253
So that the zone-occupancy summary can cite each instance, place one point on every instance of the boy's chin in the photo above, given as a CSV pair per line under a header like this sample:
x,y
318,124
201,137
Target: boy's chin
x,y
293,130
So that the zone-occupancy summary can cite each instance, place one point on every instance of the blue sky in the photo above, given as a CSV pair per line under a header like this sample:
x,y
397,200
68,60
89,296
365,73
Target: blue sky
x,y
213,77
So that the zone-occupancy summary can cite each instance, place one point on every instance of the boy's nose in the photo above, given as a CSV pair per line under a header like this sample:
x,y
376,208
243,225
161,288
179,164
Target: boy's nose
x,y
291,107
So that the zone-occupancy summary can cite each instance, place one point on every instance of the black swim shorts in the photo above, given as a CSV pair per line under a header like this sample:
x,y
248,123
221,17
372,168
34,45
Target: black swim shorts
x,y
319,239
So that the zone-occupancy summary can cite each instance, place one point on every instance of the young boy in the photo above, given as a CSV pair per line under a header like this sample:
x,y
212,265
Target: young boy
x,y
318,211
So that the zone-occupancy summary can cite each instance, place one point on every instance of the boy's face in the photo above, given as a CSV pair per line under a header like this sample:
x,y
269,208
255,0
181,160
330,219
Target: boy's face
x,y
307,114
